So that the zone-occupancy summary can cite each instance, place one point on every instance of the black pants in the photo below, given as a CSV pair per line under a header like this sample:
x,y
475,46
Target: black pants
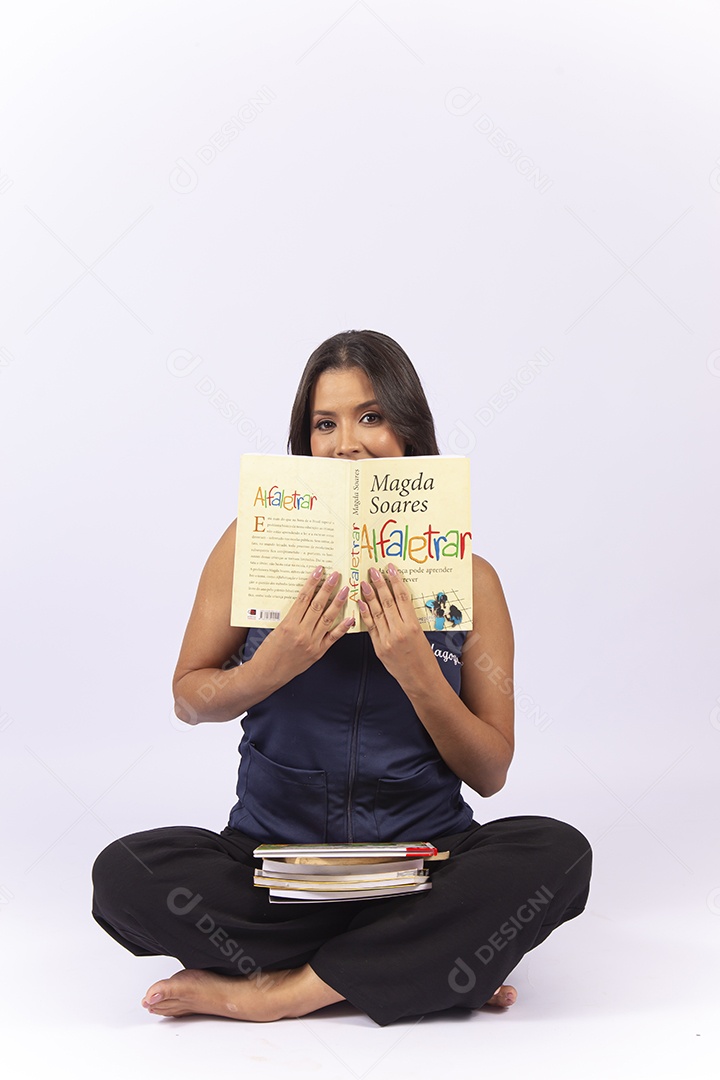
x,y
188,893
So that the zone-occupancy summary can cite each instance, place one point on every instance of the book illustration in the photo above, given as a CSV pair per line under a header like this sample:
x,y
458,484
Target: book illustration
x,y
447,614
295,513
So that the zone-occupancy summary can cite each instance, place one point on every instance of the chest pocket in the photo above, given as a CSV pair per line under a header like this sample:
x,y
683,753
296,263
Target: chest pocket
x,y
428,801
287,805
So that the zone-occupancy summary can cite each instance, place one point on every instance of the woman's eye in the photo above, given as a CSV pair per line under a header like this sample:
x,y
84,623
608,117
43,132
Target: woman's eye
x,y
320,426
372,417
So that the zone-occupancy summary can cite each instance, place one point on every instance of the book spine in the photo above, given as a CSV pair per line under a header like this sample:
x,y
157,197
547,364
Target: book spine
x,y
354,532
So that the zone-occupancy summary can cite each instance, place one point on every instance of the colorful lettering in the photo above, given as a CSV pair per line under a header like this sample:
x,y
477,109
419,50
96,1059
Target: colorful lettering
x,y
284,500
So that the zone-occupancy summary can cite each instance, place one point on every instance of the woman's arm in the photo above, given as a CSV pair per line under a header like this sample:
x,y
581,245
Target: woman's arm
x,y
210,681
473,732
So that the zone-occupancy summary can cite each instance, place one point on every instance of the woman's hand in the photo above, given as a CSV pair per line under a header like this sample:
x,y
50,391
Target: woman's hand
x,y
473,730
306,633
389,615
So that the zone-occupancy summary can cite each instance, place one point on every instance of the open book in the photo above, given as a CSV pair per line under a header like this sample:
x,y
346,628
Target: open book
x,y
297,512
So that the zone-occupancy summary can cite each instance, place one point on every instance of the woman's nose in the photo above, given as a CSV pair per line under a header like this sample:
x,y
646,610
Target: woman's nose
x,y
347,443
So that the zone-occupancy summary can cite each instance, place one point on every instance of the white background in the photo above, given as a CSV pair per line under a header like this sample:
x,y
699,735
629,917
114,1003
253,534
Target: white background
x,y
485,183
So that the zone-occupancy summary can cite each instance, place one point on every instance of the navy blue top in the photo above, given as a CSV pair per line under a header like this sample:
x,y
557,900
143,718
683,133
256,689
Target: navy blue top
x,y
339,754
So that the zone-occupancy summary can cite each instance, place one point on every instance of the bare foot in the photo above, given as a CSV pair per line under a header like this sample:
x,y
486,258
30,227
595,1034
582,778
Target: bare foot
x,y
269,996
503,997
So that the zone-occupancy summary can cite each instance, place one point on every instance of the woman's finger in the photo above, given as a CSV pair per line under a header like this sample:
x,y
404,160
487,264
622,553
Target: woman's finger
x,y
370,601
342,628
328,617
375,615
385,598
320,601
366,615
304,598
401,593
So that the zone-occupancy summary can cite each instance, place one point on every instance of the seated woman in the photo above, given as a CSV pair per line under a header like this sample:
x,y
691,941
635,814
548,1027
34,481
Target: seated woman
x,y
391,722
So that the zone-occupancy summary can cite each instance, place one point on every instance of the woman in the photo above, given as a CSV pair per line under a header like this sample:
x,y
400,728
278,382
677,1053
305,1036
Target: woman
x,y
392,721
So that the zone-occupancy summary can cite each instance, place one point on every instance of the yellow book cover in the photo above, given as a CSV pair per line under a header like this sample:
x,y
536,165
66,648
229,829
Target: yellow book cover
x,y
295,513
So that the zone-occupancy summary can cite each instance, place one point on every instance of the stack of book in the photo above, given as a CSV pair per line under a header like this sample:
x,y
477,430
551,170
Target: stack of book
x,y
310,873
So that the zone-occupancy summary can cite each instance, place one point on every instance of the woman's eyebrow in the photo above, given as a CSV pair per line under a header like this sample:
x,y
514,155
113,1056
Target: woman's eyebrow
x,y
329,412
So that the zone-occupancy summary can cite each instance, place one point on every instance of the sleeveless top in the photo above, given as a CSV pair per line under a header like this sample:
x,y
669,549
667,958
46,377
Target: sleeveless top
x,y
339,755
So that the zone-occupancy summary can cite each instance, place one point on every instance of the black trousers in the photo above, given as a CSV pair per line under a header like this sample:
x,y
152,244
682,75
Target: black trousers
x,y
187,892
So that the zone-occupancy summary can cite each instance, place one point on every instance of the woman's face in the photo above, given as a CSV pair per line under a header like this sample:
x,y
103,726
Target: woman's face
x,y
344,418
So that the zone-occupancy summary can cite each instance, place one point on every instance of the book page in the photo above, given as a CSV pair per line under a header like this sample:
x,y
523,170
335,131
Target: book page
x,y
292,896
286,868
293,515
415,513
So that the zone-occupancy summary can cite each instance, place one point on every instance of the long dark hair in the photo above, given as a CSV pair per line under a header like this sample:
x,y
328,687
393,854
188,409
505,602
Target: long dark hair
x,y
395,381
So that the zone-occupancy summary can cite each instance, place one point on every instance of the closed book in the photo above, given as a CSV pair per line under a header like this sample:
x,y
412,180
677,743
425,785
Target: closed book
x,y
406,849
349,882
331,868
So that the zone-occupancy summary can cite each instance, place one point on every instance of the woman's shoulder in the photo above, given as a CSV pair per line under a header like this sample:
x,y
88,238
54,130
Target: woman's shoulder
x,y
228,537
490,609
217,575
488,595
224,551
484,573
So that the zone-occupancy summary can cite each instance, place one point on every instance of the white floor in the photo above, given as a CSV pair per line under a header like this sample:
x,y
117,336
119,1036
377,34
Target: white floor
x,y
629,989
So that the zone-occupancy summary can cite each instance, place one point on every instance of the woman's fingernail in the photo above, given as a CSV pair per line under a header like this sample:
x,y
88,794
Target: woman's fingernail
x,y
350,622
155,998
343,594
392,569
366,589
317,572
333,579
374,574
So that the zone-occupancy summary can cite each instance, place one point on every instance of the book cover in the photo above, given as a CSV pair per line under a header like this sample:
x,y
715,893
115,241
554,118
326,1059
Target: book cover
x,y
295,513
383,850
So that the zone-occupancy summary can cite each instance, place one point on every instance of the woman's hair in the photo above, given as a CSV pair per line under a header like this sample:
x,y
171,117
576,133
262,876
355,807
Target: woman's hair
x,y
400,396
